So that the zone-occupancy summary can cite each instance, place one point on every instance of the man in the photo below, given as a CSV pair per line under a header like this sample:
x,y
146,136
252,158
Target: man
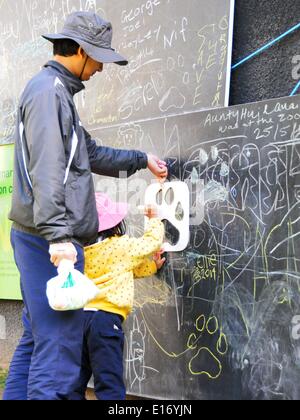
x,y
53,207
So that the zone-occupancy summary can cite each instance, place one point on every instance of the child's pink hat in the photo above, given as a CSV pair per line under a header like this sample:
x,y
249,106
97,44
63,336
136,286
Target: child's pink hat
x,y
110,214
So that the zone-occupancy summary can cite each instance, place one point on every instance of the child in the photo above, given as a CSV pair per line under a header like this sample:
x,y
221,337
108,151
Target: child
x,y
112,264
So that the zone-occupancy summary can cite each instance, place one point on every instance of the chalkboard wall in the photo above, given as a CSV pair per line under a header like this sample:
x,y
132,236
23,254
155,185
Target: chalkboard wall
x,y
179,58
222,318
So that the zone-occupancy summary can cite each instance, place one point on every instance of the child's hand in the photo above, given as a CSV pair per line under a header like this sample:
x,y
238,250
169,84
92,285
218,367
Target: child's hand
x,y
159,261
151,211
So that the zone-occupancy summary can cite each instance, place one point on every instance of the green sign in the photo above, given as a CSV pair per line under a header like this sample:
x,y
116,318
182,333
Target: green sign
x,y
9,275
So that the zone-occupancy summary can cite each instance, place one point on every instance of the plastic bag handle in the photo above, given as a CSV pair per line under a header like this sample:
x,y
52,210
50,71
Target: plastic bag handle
x,y
65,267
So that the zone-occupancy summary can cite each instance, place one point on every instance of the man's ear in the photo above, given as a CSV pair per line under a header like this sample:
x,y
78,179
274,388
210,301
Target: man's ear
x,y
81,53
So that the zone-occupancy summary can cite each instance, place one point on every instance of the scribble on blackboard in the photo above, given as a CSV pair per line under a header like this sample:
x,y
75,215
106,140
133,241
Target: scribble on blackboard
x,y
241,268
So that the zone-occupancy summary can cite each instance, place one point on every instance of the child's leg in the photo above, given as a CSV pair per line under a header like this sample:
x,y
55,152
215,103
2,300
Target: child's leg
x,y
106,344
86,370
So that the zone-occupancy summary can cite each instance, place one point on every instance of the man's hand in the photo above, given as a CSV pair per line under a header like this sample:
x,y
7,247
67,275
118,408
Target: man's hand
x,y
63,251
158,167
159,261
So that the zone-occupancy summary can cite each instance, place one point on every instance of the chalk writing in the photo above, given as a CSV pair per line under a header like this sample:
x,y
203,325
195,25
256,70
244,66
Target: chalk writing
x,y
296,327
231,302
162,77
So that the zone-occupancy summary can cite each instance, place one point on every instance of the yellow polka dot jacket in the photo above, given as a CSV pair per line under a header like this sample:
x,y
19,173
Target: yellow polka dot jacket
x,y
114,263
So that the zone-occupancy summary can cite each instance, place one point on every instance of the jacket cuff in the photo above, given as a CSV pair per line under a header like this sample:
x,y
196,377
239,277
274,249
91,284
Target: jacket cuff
x,y
60,241
142,159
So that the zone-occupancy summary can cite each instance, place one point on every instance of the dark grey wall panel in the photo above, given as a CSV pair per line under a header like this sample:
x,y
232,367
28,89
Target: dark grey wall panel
x,y
268,75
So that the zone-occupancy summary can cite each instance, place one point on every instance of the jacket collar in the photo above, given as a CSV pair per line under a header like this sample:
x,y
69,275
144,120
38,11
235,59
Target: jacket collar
x,y
71,82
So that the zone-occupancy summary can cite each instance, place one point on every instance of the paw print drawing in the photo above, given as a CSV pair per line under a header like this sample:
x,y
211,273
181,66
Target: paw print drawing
x,y
207,361
172,202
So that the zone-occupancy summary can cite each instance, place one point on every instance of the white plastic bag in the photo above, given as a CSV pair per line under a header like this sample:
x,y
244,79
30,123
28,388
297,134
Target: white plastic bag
x,y
70,289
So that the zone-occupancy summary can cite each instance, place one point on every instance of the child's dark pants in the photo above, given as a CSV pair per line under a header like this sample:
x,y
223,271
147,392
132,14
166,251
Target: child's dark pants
x,y
103,356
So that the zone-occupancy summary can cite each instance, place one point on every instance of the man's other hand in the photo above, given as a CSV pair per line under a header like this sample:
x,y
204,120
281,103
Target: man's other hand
x,y
62,251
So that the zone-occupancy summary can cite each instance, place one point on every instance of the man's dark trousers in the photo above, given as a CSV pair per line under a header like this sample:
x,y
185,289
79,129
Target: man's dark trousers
x,y
49,353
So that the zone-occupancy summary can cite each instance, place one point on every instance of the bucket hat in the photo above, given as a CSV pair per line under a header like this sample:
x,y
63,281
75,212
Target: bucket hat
x,y
93,34
110,214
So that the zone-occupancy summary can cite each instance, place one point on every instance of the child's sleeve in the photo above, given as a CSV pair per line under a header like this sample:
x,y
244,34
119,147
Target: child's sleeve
x,y
150,243
146,269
